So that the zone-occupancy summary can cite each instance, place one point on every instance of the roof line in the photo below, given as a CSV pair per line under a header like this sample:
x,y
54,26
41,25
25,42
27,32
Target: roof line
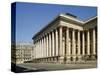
x,y
94,17
64,15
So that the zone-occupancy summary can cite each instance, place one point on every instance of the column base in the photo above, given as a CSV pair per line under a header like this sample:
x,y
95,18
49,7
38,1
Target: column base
x,y
49,59
52,60
74,59
93,57
68,60
55,60
61,60
79,58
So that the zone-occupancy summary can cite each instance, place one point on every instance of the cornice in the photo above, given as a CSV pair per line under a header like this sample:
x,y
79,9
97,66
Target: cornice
x,y
60,16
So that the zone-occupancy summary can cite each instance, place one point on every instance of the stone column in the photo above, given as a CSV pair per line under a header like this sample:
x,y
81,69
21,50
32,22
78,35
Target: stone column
x,y
94,42
88,43
50,47
37,48
49,44
34,50
53,45
73,45
83,43
56,42
68,51
79,44
42,47
63,46
60,40
60,46
46,45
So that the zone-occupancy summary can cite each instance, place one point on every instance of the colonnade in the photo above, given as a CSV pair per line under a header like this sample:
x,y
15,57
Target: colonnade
x,y
65,44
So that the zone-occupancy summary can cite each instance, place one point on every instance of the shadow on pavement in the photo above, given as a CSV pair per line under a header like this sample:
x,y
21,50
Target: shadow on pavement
x,y
18,69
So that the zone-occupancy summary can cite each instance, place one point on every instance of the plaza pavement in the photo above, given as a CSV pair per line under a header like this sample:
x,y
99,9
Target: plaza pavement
x,y
56,66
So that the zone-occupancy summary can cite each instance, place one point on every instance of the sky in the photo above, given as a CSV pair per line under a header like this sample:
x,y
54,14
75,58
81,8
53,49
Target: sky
x,y
31,17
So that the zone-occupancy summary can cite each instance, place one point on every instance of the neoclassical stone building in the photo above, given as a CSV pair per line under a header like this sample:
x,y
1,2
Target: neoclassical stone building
x,y
66,39
21,52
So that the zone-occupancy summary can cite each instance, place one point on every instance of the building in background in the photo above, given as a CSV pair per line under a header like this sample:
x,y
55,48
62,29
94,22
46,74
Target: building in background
x,y
66,40
22,52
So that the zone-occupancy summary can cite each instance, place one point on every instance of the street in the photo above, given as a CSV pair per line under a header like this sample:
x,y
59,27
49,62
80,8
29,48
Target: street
x,y
51,66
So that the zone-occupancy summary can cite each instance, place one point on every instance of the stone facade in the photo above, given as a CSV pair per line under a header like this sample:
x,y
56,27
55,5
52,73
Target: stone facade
x,y
22,52
66,40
